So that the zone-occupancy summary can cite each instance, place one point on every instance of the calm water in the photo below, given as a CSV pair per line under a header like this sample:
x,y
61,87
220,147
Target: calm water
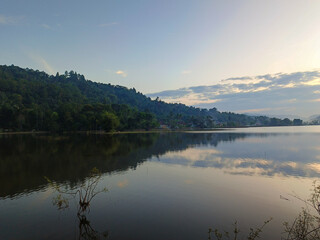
x,y
160,186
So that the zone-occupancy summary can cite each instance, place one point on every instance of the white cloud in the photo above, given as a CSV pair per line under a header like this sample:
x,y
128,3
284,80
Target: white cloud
x,y
254,110
121,73
46,26
185,72
270,94
42,62
9,20
193,99
108,24
313,82
292,100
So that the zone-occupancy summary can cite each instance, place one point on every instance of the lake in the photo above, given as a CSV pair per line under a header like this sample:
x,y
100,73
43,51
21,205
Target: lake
x,y
160,185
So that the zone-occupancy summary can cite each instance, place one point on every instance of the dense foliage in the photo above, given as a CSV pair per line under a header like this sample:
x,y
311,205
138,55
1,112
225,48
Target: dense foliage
x,y
32,99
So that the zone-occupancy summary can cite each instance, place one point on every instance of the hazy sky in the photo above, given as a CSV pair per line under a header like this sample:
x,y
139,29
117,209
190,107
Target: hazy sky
x,y
157,45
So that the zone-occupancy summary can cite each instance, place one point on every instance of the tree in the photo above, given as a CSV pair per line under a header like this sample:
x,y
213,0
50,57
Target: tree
x,y
109,121
297,122
53,124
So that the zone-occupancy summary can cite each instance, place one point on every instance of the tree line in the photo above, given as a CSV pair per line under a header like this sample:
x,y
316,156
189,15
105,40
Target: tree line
x,y
33,100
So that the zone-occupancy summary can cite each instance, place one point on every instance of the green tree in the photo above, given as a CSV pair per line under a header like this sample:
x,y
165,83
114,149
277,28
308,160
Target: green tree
x,y
109,121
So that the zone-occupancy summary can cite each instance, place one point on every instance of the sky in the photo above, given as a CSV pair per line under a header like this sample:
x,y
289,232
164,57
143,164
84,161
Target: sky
x,y
159,45
293,95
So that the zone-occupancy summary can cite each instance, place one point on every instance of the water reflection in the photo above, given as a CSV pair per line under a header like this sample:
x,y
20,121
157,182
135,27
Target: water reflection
x,y
242,166
87,232
24,160
256,154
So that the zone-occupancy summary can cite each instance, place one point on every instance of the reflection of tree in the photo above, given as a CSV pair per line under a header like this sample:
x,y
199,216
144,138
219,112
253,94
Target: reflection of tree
x,y
26,158
86,232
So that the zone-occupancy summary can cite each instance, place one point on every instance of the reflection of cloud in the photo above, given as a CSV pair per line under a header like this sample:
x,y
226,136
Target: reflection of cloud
x,y
46,194
314,166
291,164
248,171
193,154
270,92
188,181
122,184
212,158
315,100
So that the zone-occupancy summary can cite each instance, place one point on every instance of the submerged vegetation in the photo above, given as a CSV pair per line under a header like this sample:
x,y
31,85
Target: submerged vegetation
x,y
85,193
307,225
34,100
253,234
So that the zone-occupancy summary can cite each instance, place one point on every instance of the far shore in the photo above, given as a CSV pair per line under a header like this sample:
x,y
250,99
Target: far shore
x,y
101,132
113,132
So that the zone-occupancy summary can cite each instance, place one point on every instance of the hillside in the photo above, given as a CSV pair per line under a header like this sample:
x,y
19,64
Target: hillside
x,y
30,99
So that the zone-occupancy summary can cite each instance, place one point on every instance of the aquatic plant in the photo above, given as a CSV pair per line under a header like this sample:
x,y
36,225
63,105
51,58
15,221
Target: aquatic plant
x,y
85,193
254,233
307,225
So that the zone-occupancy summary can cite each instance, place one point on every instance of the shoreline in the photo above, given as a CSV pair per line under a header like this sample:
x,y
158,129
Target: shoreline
x,y
136,131
115,132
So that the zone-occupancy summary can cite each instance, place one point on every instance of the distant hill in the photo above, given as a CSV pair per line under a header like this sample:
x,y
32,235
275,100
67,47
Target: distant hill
x,y
314,119
30,99
282,116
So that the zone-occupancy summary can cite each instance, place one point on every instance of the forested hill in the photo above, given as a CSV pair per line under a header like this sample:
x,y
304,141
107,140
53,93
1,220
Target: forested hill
x,y
34,100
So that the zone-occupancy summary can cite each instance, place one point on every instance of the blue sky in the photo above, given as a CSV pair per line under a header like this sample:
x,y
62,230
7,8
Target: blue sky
x,y
157,45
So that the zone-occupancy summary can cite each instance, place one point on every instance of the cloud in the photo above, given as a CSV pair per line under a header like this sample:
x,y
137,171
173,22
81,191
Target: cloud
x,y
270,94
42,62
108,24
9,20
46,26
121,73
236,79
254,110
184,72
171,93
196,99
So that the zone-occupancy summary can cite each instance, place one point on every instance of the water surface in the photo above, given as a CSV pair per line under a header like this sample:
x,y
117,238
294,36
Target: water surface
x,y
160,185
